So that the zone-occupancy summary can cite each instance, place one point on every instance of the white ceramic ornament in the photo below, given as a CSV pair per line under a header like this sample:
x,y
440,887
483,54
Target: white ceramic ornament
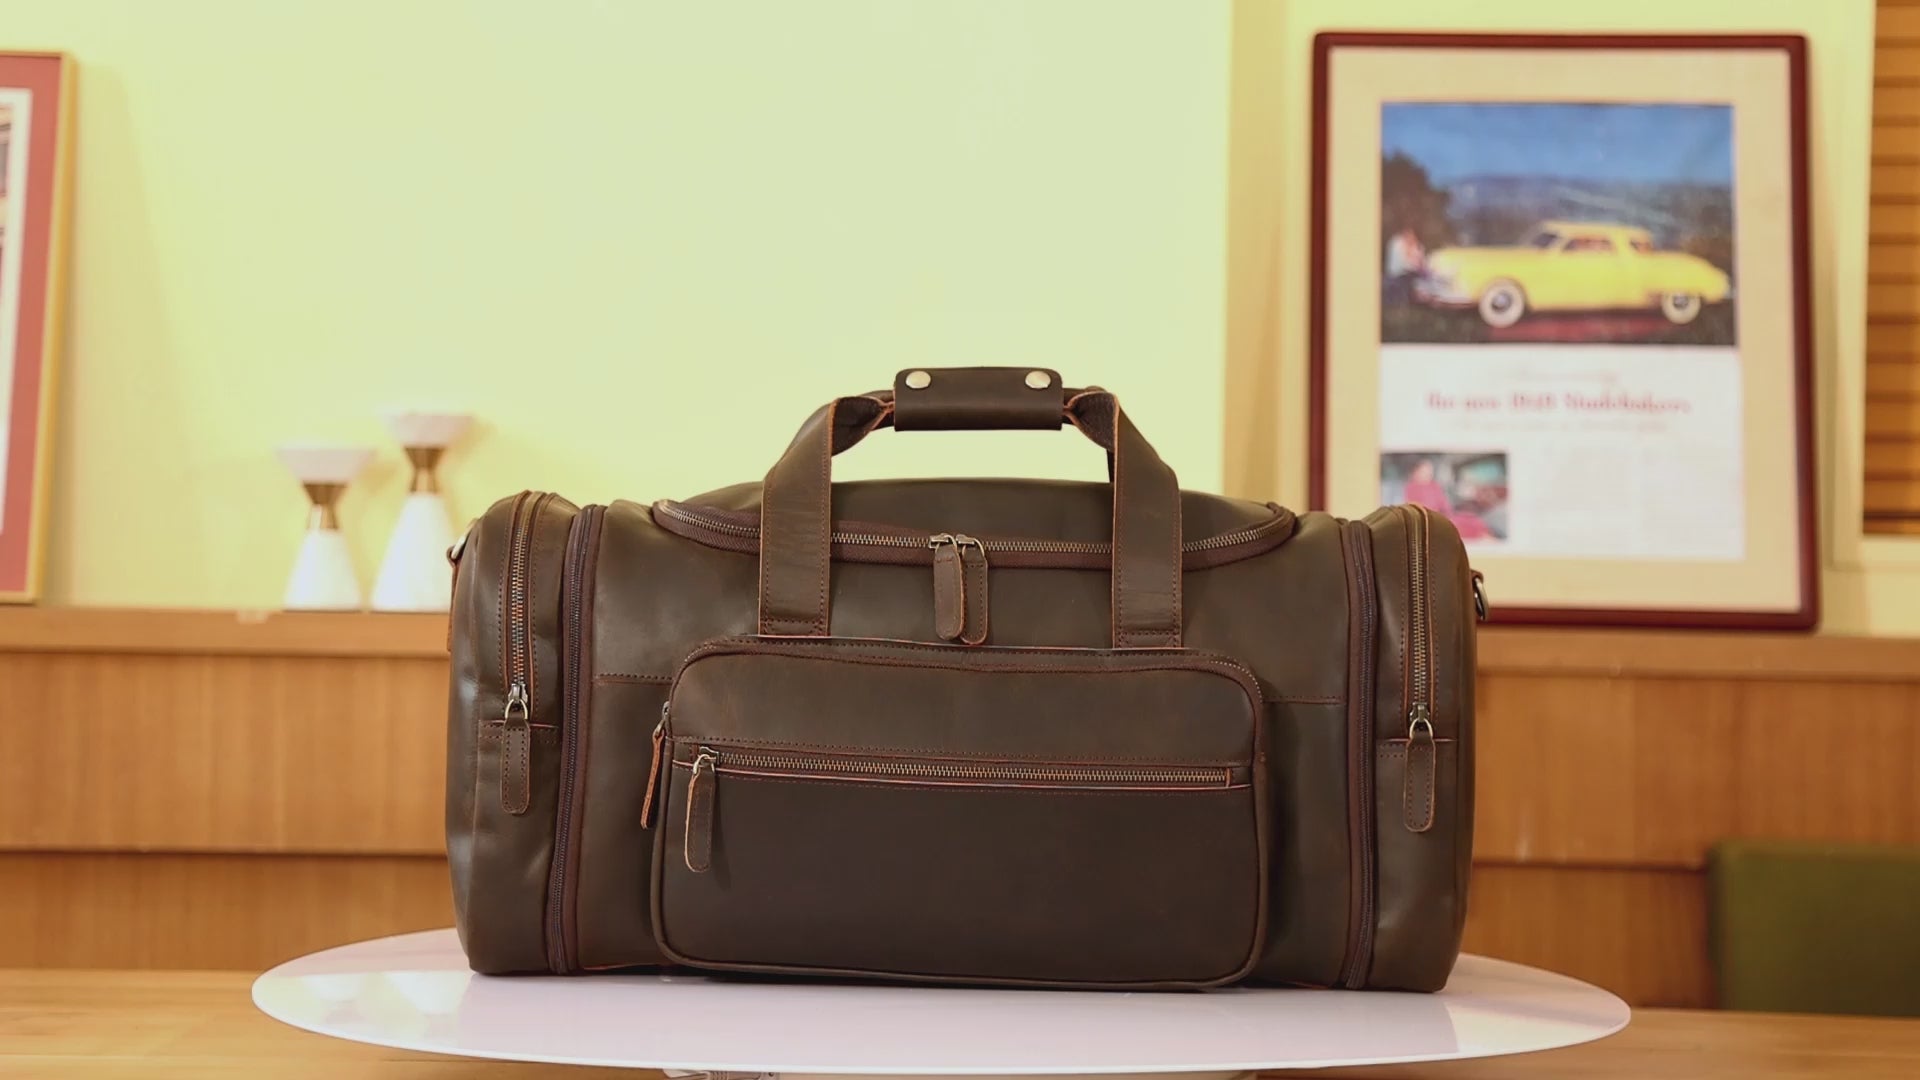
x,y
414,574
323,577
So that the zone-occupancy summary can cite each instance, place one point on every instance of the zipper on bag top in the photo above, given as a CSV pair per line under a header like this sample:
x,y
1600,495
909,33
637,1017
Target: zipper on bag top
x,y
576,582
875,544
710,763
1421,767
959,588
959,561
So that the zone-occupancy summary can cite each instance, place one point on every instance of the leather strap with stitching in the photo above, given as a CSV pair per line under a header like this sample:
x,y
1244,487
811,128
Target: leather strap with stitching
x,y
796,519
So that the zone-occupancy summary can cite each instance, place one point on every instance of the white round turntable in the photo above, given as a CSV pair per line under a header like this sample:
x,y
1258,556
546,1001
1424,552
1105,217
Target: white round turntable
x,y
415,992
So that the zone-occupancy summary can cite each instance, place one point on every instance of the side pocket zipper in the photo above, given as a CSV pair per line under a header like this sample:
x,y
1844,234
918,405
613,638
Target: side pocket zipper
x,y
1417,794
516,745
658,765
697,845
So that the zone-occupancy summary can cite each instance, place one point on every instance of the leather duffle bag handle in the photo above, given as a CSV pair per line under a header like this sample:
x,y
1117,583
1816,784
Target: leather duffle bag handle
x,y
796,515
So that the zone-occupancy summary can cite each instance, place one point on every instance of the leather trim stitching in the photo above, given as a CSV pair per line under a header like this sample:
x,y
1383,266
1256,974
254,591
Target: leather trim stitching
x,y
1425,820
973,593
1122,637
780,647
1433,670
546,734
1179,570
506,575
1218,667
1400,639
826,521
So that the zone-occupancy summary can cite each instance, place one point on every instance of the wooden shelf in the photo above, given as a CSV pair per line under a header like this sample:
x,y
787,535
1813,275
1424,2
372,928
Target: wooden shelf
x,y
1697,654
1506,650
222,633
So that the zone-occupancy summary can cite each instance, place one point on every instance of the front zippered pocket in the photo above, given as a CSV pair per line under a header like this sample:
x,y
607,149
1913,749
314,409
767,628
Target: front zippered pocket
x,y
708,764
582,547
871,543
842,806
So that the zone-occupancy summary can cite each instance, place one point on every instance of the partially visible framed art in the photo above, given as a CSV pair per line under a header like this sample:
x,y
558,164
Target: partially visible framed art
x,y
1560,296
36,117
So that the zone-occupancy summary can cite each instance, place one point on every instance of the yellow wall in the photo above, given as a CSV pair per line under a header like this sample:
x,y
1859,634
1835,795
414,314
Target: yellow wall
x,y
641,240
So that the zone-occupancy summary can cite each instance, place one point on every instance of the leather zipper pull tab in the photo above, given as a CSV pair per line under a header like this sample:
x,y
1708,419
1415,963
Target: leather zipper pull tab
x,y
516,752
949,587
697,848
653,771
1417,795
973,565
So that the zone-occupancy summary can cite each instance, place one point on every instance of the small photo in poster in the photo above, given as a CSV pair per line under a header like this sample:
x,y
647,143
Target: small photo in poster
x,y
1467,488
1557,223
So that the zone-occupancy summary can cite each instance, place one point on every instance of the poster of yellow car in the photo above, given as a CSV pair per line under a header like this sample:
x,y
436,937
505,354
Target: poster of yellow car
x,y
1557,223
1572,266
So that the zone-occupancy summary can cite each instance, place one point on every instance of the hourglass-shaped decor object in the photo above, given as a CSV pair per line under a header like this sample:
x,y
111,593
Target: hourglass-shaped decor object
x,y
323,577
414,574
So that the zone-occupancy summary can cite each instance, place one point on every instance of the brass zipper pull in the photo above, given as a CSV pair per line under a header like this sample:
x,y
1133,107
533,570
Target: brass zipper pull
x,y
516,752
657,763
973,565
1416,796
949,587
697,847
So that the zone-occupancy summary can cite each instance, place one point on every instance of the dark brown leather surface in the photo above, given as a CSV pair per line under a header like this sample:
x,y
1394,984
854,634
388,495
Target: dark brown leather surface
x,y
1285,612
978,399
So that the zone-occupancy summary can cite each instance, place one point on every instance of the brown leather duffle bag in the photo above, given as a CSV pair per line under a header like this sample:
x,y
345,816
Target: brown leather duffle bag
x,y
966,731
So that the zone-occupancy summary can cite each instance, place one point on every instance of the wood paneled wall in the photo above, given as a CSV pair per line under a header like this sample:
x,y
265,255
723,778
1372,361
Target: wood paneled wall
x,y
200,789
1893,277
206,731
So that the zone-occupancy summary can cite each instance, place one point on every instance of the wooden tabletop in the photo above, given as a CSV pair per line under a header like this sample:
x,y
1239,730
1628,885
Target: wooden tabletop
x,y
65,1025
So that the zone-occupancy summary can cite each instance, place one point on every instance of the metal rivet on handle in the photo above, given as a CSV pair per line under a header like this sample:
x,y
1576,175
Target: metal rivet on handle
x,y
1038,380
918,380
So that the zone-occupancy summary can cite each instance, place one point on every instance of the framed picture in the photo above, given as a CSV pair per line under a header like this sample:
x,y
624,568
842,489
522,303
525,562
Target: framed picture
x,y
36,116
1560,296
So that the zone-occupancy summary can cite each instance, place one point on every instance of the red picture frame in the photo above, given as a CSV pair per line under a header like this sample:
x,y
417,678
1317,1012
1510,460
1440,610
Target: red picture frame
x,y
1805,614
36,104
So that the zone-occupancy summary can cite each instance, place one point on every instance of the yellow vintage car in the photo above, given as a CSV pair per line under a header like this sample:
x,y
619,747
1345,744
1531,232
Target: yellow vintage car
x,y
1571,266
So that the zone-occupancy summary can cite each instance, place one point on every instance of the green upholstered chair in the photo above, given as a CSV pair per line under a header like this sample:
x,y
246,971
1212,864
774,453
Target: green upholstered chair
x,y
1816,928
